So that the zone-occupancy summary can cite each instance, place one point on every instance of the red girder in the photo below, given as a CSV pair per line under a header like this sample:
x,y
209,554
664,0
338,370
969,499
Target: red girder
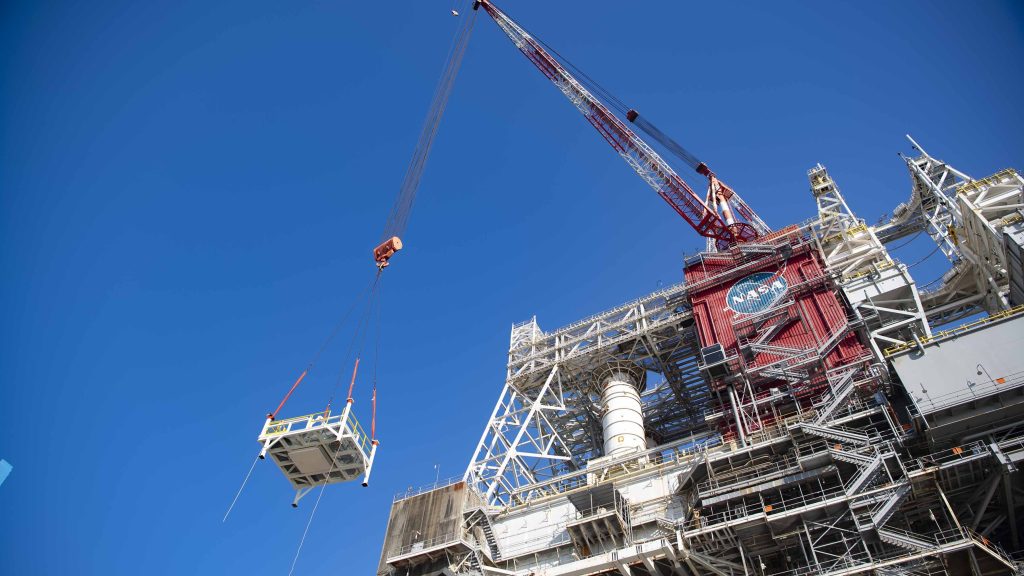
x,y
667,183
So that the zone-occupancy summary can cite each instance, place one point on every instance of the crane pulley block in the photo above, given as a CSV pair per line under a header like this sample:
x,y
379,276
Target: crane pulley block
x,y
385,250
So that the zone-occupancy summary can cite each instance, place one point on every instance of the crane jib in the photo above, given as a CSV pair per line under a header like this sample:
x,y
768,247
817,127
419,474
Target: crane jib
x,y
641,157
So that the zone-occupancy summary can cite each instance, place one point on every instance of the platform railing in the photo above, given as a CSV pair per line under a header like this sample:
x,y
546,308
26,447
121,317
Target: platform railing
x,y
962,329
325,419
598,332
748,473
974,390
944,458
436,541
411,491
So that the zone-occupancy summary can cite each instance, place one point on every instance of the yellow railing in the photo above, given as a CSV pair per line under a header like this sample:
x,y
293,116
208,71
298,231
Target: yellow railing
x,y
849,233
896,349
282,426
317,420
360,435
887,263
993,179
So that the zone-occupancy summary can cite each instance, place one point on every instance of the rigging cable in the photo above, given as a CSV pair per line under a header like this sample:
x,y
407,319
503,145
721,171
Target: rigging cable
x,y
310,521
399,218
930,254
362,329
376,362
394,227
240,488
323,347
908,241
316,357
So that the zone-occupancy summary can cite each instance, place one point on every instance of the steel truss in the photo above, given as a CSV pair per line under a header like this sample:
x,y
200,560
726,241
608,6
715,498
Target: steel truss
x,y
965,218
546,422
828,472
879,289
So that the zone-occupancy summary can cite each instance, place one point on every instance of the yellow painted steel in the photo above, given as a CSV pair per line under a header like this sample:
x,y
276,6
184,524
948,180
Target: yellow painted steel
x,y
896,349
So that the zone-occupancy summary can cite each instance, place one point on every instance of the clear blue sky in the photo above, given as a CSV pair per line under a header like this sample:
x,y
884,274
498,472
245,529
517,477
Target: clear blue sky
x,y
189,192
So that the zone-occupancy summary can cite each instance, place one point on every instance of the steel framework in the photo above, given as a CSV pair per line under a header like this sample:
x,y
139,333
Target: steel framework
x,y
788,464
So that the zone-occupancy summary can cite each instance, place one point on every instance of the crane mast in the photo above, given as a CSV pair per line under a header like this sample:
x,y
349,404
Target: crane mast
x,y
725,229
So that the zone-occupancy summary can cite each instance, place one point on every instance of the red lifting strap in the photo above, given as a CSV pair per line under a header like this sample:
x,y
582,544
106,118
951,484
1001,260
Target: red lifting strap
x,y
273,414
373,415
352,385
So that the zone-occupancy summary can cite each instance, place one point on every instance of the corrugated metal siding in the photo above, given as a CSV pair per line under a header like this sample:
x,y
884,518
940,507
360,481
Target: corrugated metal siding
x,y
817,310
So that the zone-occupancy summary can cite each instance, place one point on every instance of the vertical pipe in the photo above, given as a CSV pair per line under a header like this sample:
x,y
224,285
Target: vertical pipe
x,y
369,466
734,400
623,418
263,452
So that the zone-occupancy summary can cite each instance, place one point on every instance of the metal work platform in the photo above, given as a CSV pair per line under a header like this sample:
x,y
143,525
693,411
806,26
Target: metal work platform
x,y
318,449
808,410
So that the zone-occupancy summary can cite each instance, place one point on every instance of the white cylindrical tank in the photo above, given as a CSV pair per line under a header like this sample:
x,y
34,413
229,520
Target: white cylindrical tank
x,y
623,417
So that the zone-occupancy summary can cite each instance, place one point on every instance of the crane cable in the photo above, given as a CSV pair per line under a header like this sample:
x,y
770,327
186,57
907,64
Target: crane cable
x,y
330,337
337,328
394,227
362,329
358,337
399,218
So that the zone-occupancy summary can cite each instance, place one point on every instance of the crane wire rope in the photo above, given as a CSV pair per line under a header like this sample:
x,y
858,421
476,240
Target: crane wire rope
x,y
394,227
587,81
399,217
362,329
323,347
312,513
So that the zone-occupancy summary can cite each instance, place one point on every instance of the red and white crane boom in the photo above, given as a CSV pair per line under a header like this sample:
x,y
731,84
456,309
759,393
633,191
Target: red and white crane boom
x,y
725,228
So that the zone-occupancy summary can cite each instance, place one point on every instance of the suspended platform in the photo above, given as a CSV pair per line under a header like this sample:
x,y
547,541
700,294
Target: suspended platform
x,y
319,449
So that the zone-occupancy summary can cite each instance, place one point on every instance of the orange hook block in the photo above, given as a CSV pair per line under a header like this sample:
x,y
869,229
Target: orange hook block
x,y
386,249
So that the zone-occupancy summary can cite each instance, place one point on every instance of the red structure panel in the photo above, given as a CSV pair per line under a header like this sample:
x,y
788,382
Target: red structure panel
x,y
755,306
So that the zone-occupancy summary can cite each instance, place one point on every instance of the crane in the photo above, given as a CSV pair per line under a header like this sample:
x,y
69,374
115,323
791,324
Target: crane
x,y
727,221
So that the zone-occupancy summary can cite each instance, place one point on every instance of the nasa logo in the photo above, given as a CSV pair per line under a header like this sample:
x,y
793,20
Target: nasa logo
x,y
756,292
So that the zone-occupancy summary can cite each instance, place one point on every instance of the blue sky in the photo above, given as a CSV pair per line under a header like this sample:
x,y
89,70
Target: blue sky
x,y
189,192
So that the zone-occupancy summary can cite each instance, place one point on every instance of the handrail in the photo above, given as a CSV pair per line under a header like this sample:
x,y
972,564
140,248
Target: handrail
x,y
946,334
448,537
274,428
410,492
977,390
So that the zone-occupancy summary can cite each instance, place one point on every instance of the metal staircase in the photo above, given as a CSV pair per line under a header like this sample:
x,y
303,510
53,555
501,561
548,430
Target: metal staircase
x,y
880,516
904,540
867,474
492,542
833,433
851,457
840,391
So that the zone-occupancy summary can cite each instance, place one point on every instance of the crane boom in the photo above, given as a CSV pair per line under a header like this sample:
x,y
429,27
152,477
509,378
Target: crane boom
x,y
637,153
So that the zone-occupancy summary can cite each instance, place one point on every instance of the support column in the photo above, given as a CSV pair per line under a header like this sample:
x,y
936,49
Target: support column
x,y
623,419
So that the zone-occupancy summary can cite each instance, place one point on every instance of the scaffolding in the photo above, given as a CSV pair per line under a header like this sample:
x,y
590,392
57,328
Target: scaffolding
x,y
785,438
